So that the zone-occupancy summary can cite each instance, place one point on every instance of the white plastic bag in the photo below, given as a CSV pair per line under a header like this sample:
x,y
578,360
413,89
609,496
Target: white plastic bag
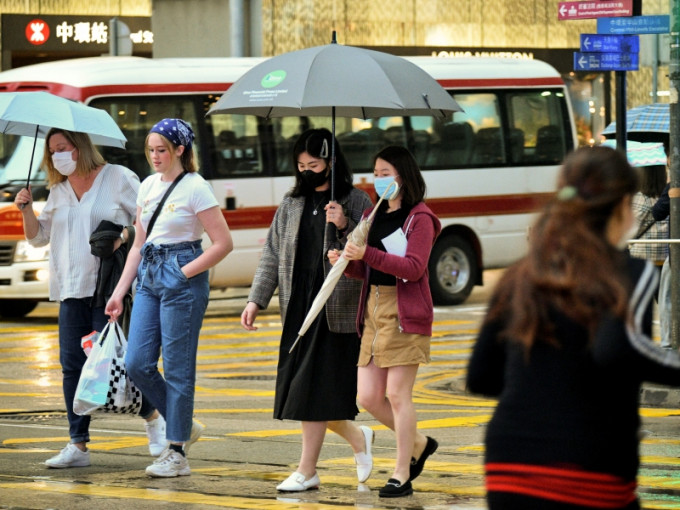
x,y
104,385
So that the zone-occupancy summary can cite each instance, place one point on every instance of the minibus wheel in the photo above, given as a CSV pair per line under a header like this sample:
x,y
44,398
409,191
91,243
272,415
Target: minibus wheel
x,y
453,270
16,307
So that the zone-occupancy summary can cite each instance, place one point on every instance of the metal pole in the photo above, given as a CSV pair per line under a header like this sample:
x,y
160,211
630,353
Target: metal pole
x,y
236,27
621,111
655,69
674,149
113,37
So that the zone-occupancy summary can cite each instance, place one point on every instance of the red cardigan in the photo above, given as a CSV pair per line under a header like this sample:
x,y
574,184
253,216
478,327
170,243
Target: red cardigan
x,y
414,301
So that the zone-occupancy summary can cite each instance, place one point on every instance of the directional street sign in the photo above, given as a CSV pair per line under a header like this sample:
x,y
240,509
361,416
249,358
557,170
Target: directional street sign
x,y
659,24
605,61
610,43
592,9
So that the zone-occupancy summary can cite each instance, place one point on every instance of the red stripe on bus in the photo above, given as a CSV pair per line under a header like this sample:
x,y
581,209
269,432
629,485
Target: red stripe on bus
x,y
488,205
83,94
502,82
261,217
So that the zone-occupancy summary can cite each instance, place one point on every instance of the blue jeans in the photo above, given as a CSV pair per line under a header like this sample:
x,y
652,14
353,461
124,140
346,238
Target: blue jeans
x,y
167,314
78,318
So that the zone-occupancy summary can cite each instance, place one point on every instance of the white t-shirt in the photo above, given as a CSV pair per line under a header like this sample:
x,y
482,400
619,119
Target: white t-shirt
x,y
178,221
67,223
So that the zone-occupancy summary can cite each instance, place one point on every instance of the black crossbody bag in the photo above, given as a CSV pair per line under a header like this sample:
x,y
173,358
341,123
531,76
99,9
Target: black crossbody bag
x,y
152,221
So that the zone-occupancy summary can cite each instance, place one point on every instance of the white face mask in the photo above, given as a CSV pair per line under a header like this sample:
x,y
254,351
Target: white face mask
x,y
63,162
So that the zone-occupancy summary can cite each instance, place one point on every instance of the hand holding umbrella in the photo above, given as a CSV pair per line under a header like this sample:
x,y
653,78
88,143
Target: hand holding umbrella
x,y
357,237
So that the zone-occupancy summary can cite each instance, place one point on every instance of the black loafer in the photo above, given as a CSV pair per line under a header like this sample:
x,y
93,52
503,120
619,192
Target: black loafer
x,y
417,465
395,489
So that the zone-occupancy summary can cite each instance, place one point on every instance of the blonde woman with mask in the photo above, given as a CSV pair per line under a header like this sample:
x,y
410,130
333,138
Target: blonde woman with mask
x,y
84,190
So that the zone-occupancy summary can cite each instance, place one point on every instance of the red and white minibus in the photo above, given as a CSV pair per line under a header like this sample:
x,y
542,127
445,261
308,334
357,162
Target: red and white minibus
x,y
487,169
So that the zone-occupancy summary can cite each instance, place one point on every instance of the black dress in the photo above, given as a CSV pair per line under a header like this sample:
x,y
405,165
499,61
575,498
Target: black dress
x,y
318,380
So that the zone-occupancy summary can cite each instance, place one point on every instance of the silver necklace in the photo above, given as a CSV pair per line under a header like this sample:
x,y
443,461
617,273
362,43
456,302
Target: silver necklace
x,y
316,206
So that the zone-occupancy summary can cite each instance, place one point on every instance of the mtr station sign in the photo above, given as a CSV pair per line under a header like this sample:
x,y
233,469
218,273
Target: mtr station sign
x,y
69,33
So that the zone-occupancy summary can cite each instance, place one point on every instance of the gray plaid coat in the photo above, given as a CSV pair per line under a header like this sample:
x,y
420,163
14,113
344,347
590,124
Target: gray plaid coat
x,y
278,258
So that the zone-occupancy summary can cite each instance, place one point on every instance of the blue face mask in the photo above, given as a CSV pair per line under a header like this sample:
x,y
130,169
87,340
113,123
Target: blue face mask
x,y
382,183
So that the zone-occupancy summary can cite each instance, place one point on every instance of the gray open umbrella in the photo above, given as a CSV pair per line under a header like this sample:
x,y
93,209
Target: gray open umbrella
x,y
336,80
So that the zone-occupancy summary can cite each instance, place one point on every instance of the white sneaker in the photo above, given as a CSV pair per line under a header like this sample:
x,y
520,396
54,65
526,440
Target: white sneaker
x,y
155,431
364,460
71,456
197,429
297,483
169,465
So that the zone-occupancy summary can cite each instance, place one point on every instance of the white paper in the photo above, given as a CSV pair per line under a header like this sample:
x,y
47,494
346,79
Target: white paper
x,y
395,243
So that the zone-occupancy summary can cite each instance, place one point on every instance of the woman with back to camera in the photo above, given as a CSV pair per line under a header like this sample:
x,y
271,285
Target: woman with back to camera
x,y
84,190
316,382
565,347
172,285
396,311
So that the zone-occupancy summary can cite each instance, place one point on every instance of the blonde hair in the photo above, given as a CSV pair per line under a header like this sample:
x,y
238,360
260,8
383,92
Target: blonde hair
x,y
187,158
89,157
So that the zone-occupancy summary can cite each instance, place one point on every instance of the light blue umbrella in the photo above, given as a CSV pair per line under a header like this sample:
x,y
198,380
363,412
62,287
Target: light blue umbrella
x,y
35,113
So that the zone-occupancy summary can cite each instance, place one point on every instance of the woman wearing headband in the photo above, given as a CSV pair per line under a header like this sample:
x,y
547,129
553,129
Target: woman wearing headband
x,y
172,285
316,381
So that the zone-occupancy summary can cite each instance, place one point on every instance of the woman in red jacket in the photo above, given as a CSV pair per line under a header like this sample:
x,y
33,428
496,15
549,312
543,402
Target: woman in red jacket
x,y
395,310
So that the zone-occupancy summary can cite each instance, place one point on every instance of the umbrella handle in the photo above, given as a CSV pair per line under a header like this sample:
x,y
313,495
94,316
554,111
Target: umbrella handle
x,y
30,165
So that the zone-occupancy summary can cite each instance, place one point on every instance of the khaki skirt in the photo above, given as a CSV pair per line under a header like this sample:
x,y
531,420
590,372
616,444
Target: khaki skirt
x,y
382,340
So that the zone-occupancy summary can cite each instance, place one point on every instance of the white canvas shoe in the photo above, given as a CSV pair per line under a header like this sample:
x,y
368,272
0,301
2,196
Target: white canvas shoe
x,y
71,456
364,460
169,465
155,431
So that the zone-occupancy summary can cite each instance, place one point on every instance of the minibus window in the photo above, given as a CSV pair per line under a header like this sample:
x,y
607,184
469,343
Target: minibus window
x,y
537,115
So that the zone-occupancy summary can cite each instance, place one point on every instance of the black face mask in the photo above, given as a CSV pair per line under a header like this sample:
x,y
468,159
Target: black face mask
x,y
313,179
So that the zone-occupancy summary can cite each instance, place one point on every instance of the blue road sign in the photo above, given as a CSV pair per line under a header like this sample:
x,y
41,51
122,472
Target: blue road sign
x,y
605,61
659,24
599,43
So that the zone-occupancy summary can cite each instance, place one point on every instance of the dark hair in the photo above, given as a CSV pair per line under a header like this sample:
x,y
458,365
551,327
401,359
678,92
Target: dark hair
x,y
570,266
652,180
412,183
312,142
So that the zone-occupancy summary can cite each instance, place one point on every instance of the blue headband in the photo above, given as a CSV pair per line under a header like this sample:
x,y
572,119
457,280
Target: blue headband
x,y
177,131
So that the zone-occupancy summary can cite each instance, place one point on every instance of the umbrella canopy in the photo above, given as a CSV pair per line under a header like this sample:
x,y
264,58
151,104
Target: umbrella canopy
x,y
646,123
336,80
34,113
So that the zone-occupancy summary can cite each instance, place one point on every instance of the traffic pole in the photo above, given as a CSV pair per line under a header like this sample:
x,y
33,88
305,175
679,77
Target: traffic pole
x,y
674,149
621,110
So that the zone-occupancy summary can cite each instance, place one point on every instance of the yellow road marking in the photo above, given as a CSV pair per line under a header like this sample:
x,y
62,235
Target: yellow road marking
x,y
188,498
